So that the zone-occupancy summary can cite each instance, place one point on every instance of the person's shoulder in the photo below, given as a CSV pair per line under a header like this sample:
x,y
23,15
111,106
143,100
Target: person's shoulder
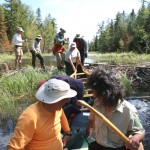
x,y
130,107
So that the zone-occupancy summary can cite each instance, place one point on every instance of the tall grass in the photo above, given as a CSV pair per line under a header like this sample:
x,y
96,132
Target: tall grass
x,y
18,88
127,85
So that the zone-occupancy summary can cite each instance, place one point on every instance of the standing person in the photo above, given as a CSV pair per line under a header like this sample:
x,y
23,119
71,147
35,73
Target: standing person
x,y
36,52
108,93
39,126
81,46
18,41
58,49
72,54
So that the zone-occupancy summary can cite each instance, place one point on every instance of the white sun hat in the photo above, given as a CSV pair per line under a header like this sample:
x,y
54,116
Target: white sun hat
x,y
54,90
73,44
20,29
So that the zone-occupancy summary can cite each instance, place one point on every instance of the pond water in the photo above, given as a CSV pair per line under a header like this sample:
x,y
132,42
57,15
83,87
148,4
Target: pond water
x,y
142,106
48,60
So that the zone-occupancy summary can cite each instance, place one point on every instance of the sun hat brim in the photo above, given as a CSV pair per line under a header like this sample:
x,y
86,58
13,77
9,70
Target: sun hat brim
x,y
41,96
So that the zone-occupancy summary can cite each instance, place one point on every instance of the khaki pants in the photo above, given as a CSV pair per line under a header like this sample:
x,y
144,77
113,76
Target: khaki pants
x,y
60,58
18,50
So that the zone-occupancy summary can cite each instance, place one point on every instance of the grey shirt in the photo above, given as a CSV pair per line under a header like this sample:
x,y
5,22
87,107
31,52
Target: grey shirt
x,y
36,46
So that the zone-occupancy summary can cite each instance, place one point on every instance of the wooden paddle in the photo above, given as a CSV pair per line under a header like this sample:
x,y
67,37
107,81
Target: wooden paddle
x,y
107,122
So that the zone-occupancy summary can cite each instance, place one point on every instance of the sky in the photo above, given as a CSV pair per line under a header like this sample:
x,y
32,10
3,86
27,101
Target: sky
x,y
82,16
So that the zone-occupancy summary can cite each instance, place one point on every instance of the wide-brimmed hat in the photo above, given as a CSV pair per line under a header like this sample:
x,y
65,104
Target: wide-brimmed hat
x,y
78,36
39,37
73,44
54,90
20,29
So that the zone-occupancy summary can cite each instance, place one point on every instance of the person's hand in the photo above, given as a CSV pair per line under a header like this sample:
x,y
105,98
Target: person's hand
x,y
66,139
26,40
85,55
74,69
133,143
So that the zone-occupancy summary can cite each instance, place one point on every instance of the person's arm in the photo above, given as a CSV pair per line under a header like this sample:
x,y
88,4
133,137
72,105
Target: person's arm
x,y
70,61
89,127
85,48
136,132
33,46
23,132
66,128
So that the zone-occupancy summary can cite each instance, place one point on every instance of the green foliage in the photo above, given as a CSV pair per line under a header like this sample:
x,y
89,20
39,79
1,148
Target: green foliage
x,y
127,85
18,14
18,88
124,33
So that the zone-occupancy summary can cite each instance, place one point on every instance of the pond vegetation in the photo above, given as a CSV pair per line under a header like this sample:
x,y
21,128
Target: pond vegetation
x,y
122,58
18,90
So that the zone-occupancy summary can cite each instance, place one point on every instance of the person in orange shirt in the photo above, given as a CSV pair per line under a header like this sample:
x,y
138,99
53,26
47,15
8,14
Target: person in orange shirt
x,y
39,126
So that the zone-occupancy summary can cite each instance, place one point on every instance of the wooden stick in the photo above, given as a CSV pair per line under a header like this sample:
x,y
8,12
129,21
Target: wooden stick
x,y
107,122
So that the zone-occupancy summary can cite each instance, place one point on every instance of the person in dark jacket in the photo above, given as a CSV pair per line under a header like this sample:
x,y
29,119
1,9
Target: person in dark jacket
x,y
81,46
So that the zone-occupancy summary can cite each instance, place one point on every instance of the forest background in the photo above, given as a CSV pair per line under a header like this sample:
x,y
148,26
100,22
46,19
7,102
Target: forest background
x,y
125,33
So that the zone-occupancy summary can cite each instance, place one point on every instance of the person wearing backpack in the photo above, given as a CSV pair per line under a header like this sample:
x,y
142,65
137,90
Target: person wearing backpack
x,y
81,45
58,49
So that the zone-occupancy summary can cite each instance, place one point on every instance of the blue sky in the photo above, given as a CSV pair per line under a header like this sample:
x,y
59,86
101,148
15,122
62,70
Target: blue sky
x,y
82,16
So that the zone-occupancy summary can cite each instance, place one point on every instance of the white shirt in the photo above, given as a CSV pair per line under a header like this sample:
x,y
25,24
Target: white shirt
x,y
17,39
72,54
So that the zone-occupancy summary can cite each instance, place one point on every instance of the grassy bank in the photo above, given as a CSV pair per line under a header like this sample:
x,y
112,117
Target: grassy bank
x,y
18,91
121,58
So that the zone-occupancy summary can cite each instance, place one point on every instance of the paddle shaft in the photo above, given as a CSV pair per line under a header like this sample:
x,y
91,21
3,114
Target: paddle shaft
x,y
106,121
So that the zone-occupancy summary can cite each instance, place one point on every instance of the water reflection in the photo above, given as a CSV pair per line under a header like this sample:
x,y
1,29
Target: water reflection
x,y
142,106
48,60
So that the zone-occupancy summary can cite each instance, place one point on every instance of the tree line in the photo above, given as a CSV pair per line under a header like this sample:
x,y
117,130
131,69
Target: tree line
x,y
13,13
125,33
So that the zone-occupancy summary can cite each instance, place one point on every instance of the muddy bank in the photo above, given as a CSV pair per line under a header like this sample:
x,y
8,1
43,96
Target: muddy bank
x,y
139,76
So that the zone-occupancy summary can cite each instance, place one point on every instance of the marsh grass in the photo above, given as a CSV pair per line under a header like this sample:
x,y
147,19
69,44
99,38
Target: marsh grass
x,y
121,58
127,85
18,88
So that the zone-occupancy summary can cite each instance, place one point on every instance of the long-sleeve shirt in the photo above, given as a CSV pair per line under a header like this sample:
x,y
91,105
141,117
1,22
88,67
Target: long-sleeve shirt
x,y
36,46
17,39
38,129
124,117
